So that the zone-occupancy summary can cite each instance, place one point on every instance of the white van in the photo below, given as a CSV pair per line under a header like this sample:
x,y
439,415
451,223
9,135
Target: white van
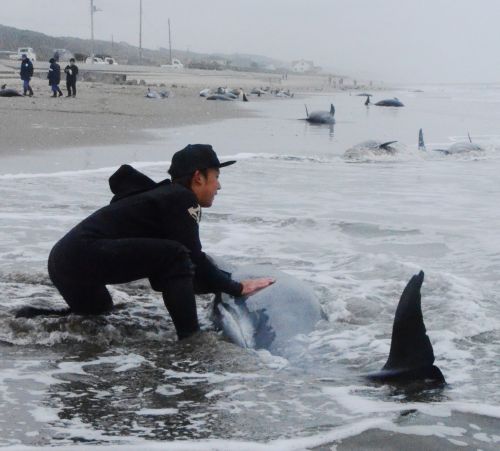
x,y
28,51
176,64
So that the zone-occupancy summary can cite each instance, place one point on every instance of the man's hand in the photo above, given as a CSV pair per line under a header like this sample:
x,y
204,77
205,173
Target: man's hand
x,y
252,285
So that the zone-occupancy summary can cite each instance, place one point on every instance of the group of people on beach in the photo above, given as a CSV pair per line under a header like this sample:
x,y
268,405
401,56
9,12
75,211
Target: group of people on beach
x,y
53,75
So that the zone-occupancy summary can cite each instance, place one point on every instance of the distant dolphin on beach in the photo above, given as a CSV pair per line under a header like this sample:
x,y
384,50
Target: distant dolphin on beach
x,y
321,117
152,94
370,147
456,148
9,92
395,102
271,317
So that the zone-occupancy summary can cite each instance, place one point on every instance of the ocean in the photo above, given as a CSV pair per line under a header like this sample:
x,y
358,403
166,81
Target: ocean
x,y
355,230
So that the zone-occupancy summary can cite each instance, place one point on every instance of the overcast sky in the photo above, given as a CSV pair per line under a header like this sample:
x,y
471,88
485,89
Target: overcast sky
x,y
393,40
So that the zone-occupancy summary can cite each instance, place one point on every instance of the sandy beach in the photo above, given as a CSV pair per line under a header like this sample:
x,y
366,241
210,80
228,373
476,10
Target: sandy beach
x,y
105,113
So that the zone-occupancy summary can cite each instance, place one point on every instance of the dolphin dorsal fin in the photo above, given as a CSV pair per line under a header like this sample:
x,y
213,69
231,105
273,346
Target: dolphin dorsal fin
x,y
307,112
410,345
332,110
421,144
468,134
386,145
367,102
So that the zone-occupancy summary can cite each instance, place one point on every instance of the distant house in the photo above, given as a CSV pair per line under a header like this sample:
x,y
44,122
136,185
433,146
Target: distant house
x,y
302,66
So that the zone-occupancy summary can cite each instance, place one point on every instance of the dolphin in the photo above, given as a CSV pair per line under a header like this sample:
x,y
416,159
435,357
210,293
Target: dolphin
x,y
9,92
271,317
456,148
411,356
321,117
219,97
152,94
370,147
390,102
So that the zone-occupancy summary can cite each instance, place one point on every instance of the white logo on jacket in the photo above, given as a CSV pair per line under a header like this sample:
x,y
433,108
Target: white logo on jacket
x,y
195,213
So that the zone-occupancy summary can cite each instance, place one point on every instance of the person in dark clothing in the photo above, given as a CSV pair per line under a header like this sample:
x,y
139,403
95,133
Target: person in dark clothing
x,y
26,73
54,76
71,71
149,230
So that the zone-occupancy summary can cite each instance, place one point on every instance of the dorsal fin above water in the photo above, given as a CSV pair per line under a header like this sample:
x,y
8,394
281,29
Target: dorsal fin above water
x,y
421,144
332,110
386,144
411,356
307,112
410,346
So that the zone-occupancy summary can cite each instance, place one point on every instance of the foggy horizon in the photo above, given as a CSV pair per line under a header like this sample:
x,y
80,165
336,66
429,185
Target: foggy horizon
x,y
441,41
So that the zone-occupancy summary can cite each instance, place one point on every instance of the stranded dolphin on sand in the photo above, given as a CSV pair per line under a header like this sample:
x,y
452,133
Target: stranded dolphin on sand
x,y
456,148
9,92
321,117
370,148
269,318
389,102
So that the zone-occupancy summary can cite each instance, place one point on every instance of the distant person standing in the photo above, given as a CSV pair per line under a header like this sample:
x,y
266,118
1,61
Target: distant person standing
x,y
71,71
54,77
26,74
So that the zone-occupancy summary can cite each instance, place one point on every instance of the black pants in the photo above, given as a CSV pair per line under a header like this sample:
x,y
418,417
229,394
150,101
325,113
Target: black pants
x,y
81,269
71,87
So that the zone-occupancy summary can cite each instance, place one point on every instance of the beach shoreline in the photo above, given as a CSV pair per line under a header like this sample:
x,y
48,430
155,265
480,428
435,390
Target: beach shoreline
x,y
109,114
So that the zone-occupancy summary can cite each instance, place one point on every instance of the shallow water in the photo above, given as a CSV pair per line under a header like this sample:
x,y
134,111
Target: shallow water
x,y
354,230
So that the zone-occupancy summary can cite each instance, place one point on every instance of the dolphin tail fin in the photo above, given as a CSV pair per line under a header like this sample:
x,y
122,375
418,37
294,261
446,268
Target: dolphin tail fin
x,y
332,110
386,145
307,112
468,134
411,356
421,144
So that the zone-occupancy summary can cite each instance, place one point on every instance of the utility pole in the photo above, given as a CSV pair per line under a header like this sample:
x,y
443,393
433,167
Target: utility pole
x,y
93,9
140,31
169,41
92,31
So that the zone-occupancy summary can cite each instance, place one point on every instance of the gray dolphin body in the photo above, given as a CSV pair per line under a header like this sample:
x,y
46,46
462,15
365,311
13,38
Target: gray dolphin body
x,y
390,102
370,147
220,97
271,317
321,117
9,92
456,148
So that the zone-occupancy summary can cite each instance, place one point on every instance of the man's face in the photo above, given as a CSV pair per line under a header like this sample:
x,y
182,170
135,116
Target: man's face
x,y
205,188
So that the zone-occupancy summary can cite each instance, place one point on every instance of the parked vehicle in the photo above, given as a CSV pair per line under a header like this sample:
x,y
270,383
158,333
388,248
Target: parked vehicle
x,y
96,60
28,51
176,64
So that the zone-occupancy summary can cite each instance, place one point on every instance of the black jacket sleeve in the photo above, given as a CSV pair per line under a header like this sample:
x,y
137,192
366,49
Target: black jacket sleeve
x,y
185,225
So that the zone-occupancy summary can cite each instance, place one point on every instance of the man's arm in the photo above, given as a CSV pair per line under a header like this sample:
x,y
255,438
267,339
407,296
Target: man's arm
x,y
207,274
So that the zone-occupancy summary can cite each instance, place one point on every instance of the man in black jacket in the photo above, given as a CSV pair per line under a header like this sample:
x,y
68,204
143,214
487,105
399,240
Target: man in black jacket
x,y
54,76
71,71
26,73
149,230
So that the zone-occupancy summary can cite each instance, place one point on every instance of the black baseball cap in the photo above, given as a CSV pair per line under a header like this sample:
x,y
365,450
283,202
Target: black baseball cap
x,y
194,157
